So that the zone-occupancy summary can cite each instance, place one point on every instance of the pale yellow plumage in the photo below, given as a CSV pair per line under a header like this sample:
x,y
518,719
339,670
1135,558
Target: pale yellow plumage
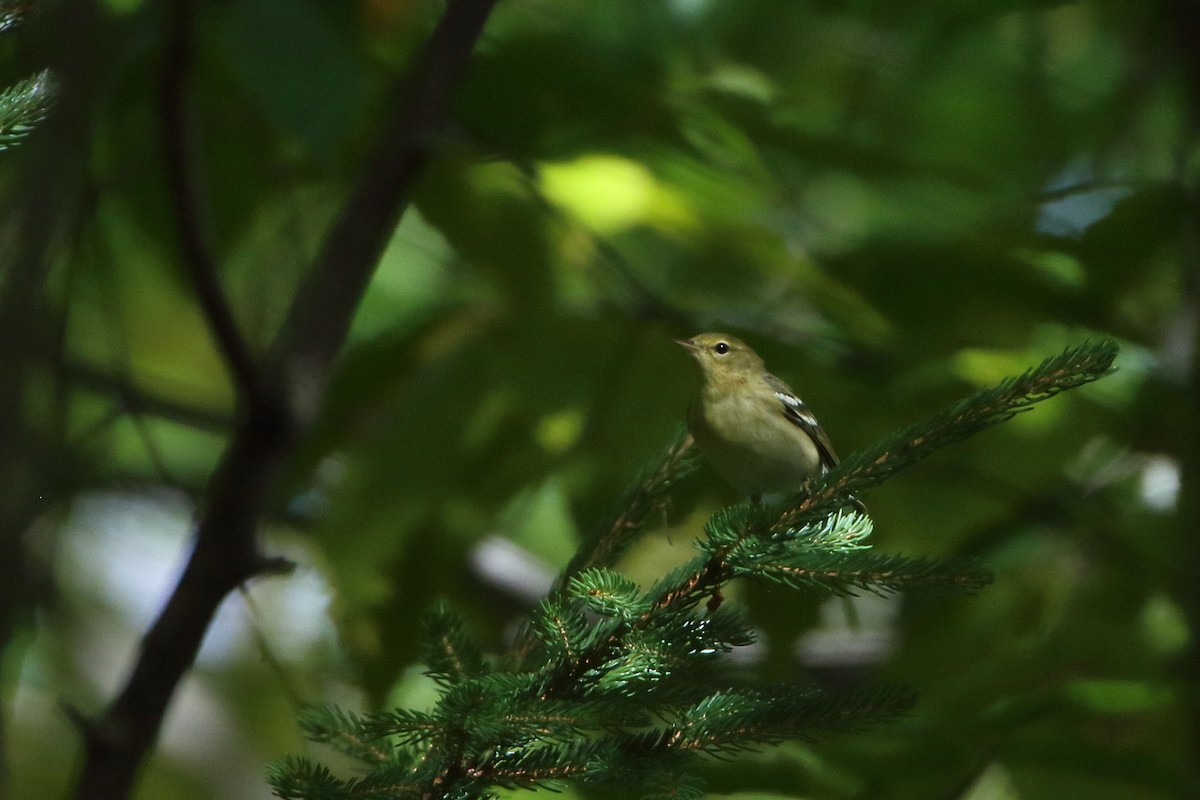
x,y
750,426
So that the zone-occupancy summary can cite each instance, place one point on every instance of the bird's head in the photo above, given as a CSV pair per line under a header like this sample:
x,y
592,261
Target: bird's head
x,y
721,354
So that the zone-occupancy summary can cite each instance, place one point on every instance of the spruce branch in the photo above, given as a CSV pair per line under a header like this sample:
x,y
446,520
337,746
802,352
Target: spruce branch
x,y
830,556
534,767
729,721
23,105
644,500
867,468
843,531
561,628
673,780
451,655
346,732
296,778
13,13
844,573
607,593
620,684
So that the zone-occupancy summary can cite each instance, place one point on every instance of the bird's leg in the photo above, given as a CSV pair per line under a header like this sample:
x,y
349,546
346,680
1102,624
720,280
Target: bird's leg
x,y
715,601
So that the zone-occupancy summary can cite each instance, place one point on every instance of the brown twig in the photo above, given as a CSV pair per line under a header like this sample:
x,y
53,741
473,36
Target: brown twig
x,y
646,499
131,398
279,401
643,501
188,210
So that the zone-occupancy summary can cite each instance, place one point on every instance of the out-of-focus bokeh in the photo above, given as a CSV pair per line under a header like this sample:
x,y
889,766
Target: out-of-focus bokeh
x,y
896,203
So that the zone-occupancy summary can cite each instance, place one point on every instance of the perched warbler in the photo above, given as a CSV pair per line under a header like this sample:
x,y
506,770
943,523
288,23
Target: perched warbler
x,y
750,426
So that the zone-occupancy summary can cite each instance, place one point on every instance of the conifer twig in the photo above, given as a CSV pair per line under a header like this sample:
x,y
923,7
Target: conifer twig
x,y
868,468
23,105
647,497
13,13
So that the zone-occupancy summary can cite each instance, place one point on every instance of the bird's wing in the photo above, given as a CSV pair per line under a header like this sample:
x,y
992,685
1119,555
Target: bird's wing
x,y
797,413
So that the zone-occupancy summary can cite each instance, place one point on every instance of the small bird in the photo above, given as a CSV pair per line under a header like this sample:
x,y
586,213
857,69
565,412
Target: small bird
x,y
750,426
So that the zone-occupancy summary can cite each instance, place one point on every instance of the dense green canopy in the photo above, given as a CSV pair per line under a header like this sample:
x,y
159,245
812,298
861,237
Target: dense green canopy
x,y
895,203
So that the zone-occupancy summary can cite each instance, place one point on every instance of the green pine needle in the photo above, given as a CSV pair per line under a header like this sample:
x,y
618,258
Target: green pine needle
x,y
672,783
391,783
365,736
346,732
562,629
844,531
742,719
867,468
402,725
661,662
644,500
24,105
13,13
450,653
543,766
843,573
297,778
608,593
485,700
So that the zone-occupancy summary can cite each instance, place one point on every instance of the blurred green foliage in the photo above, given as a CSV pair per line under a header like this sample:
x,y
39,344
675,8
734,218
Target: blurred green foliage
x,y
896,203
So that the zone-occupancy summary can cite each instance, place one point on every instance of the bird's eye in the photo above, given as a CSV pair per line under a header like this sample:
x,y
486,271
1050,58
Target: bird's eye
x,y
721,348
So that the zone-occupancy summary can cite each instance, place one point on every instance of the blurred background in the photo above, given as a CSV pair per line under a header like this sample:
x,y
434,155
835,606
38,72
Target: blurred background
x,y
895,203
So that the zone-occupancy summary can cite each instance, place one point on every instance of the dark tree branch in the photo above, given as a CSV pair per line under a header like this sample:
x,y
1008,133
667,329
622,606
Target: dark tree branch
x,y
183,193
320,317
280,409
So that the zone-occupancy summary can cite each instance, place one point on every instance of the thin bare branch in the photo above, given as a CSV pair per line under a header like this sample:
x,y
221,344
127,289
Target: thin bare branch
x,y
189,211
131,398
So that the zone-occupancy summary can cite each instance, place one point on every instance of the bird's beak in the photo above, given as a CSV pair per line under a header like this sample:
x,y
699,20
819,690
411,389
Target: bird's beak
x,y
688,343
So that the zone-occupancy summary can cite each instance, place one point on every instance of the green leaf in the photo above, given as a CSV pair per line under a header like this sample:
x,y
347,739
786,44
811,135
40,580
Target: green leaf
x,y
300,66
